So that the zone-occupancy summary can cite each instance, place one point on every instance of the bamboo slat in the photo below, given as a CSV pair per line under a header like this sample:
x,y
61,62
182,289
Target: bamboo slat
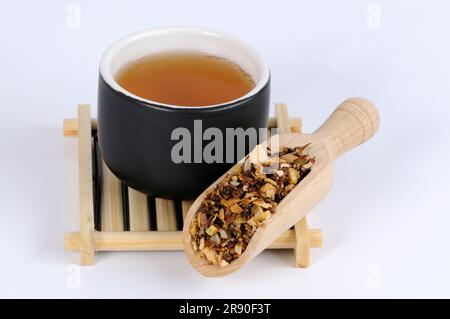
x,y
111,209
185,205
70,126
166,217
139,211
294,122
85,186
166,240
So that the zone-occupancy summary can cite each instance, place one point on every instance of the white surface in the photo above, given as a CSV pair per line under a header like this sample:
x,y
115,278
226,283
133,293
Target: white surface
x,y
386,222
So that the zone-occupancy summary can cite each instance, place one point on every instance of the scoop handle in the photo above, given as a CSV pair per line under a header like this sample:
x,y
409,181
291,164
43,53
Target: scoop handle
x,y
352,123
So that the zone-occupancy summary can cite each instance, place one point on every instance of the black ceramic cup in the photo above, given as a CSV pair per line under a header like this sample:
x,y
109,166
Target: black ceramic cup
x,y
135,134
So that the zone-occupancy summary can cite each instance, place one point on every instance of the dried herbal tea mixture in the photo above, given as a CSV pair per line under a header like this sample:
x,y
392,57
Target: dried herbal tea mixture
x,y
230,214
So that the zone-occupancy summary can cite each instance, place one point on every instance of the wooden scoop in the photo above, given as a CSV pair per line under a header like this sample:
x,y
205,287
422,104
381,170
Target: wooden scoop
x,y
352,123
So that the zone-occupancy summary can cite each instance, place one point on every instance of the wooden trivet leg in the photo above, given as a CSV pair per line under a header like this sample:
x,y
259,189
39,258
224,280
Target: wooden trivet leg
x,y
85,184
302,245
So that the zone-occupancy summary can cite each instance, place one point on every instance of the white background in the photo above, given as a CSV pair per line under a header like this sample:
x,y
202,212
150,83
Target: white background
x,y
387,221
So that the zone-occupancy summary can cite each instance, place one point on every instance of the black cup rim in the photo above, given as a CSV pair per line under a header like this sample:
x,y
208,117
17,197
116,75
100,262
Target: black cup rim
x,y
123,93
187,110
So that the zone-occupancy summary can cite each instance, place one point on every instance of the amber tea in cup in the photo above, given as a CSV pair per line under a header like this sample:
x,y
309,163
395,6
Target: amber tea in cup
x,y
185,78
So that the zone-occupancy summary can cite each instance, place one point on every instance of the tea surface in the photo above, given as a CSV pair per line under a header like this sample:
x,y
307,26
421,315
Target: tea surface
x,y
185,78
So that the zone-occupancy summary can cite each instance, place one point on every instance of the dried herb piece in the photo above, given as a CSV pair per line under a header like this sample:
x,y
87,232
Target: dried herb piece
x,y
244,200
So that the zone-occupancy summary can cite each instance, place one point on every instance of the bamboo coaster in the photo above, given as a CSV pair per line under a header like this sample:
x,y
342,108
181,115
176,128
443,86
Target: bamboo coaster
x,y
127,219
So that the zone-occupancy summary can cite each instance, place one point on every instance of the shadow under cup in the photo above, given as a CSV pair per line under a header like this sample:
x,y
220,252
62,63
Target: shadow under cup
x,y
135,134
